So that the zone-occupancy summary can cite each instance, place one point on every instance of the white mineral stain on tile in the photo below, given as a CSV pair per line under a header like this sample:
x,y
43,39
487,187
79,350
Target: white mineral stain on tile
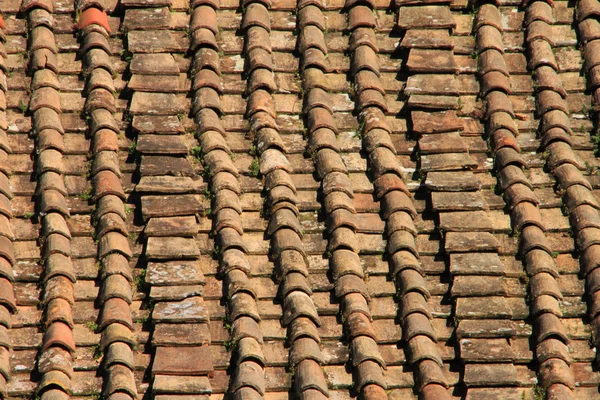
x,y
239,63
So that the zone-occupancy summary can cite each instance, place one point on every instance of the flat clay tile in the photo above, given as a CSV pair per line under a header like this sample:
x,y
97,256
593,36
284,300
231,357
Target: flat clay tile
x,y
401,3
491,375
169,361
146,3
431,61
434,122
168,124
154,64
188,310
177,226
443,84
161,165
147,19
447,143
427,39
171,248
466,221
160,41
476,264
156,104
486,350
490,307
160,144
166,206
470,242
488,328
166,334
425,17
197,385
447,162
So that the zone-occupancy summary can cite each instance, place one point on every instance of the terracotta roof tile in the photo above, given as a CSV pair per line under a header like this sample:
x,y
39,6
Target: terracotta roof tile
x,y
437,17
93,15
239,175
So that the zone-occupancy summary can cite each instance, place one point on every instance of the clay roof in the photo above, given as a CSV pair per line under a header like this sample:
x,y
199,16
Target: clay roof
x,y
311,199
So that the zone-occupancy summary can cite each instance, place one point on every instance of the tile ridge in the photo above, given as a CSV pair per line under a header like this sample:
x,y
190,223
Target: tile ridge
x,y
8,303
55,362
243,311
552,100
534,246
114,253
584,213
287,250
343,246
397,203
